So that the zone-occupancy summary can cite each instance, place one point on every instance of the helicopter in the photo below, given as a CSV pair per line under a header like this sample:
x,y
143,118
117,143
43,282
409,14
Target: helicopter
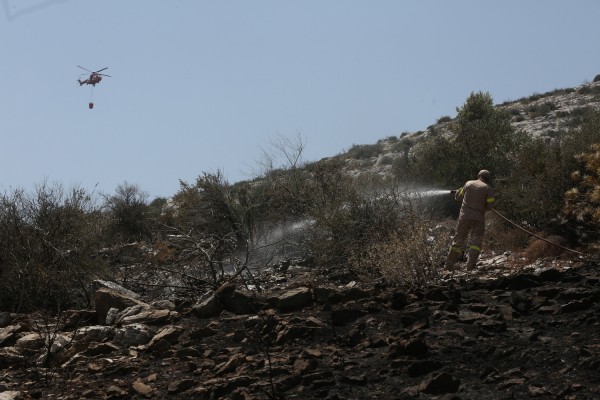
x,y
94,78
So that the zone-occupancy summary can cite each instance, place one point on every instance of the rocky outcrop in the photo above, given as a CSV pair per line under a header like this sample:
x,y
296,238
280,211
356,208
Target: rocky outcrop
x,y
531,334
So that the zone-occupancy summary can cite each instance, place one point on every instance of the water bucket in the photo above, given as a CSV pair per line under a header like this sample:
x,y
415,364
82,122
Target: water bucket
x,y
91,105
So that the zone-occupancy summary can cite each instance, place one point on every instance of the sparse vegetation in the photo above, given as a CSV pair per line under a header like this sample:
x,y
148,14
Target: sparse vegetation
x,y
364,151
540,110
408,260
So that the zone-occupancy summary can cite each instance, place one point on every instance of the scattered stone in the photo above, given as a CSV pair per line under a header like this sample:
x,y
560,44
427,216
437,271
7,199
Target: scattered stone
x,y
142,389
521,336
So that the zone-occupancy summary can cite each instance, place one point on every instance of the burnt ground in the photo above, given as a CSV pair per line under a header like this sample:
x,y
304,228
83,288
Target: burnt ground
x,y
530,333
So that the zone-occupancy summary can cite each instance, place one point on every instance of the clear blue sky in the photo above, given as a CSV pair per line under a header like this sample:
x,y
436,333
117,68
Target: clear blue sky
x,y
203,85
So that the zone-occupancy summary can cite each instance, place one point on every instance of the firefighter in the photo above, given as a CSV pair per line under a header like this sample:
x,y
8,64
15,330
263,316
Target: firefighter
x,y
477,197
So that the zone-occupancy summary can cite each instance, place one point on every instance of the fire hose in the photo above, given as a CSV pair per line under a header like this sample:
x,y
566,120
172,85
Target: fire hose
x,y
531,233
537,236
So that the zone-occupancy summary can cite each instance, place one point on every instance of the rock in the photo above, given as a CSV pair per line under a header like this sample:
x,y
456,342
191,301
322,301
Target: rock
x,y
302,366
576,305
239,303
550,275
112,315
346,315
440,384
95,333
520,282
423,367
164,338
436,294
133,335
399,300
75,319
180,386
142,389
5,319
520,302
326,295
289,332
231,365
294,299
97,349
8,334
149,316
353,293
209,308
10,395
115,391
30,341
11,357
538,391
115,287
410,347
163,305
105,299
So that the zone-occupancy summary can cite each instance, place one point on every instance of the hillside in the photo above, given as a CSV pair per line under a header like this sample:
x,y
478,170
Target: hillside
x,y
507,334
546,116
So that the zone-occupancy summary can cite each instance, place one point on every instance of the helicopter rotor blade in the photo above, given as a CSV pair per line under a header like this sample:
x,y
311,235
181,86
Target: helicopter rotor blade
x,y
105,75
84,68
101,69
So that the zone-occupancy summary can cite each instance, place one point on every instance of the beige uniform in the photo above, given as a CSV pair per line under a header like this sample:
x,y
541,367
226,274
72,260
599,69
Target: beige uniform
x,y
477,197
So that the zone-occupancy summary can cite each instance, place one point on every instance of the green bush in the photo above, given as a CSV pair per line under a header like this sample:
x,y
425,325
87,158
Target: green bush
x,y
364,151
540,110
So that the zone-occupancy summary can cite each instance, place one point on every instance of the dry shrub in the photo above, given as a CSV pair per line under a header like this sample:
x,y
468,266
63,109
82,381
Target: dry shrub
x,y
162,253
410,257
540,249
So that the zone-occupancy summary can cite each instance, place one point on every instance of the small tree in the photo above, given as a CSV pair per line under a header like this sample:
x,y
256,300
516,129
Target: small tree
x,y
484,137
128,212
